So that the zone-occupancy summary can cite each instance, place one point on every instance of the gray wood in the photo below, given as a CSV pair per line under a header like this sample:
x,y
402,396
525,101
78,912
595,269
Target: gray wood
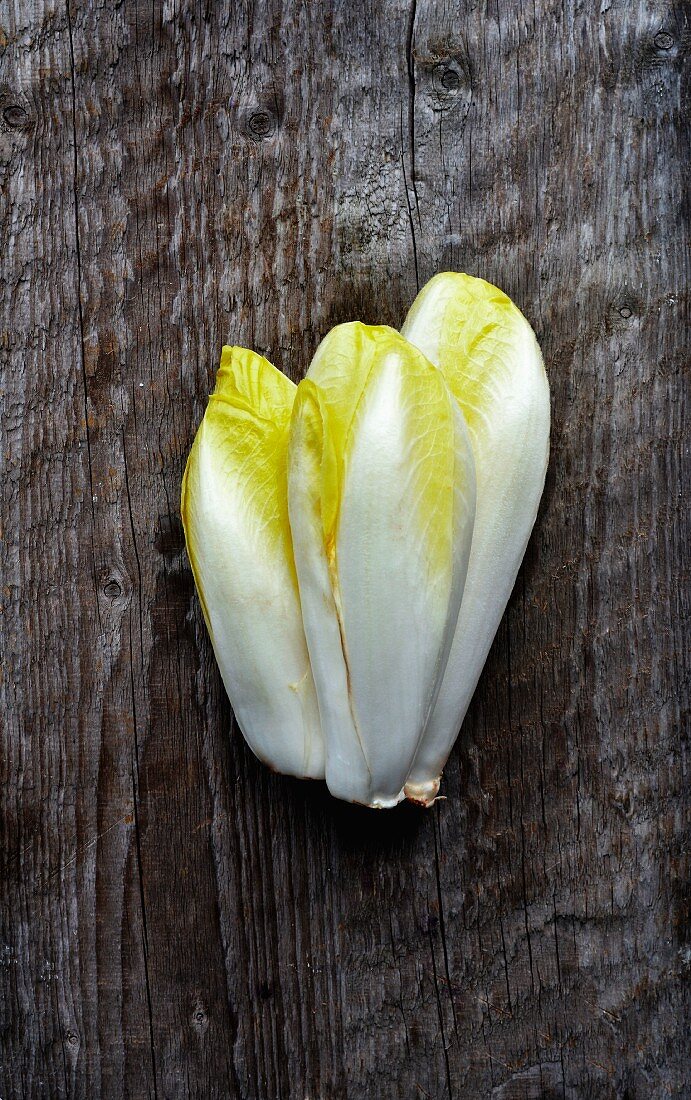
x,y
176,921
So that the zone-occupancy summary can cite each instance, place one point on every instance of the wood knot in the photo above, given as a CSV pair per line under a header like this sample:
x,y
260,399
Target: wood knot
x,y
16,117
623,308
199,1019
450,79
112,589
451,83
663,40
261,125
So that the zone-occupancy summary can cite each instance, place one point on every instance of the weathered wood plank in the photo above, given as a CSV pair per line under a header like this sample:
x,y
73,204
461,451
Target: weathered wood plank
x,y
175,920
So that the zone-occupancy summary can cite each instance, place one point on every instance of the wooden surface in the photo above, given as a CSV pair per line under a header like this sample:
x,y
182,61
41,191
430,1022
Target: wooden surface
x,y
176,921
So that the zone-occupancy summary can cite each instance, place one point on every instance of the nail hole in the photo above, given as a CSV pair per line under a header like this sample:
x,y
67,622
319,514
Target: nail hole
x,y
664,40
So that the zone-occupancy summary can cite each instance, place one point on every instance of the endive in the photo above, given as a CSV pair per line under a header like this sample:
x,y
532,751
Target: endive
x,y
490,359
235,515
381,491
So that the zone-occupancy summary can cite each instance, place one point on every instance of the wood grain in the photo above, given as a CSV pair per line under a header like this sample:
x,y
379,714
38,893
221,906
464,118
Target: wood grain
x,y
176,921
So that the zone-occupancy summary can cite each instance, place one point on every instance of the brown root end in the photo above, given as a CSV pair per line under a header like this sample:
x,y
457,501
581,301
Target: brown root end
x,y
423,794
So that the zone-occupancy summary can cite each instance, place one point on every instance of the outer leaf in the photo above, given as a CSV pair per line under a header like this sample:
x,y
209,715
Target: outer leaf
x,y
489,356
381,498
235,514
313,503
